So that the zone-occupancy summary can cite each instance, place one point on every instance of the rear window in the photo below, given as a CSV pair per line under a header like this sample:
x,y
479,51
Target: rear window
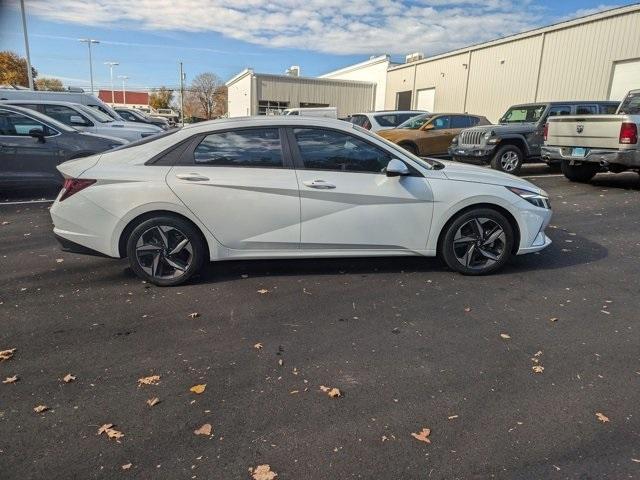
x,y
631,104
149,139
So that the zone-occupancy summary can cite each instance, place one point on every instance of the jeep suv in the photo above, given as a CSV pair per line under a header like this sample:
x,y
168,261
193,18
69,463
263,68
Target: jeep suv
x,y
519,136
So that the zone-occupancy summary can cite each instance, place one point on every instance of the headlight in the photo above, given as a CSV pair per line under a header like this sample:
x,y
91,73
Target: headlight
x,y
533,198
488,135
454,139
490,138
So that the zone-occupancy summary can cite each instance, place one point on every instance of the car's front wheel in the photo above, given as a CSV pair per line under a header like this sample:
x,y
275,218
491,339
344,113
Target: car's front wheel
x,y
165,250
508,159
478,242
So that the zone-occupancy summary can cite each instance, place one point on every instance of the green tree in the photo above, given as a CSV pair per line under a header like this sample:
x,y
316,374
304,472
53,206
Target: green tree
x,y
51,84
13,69
161,98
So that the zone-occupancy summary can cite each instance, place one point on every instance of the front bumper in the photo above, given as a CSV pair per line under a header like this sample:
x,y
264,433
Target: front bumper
x,y
472,153
533,221
628,158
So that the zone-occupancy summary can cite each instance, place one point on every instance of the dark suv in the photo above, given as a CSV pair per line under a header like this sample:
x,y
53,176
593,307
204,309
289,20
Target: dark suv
x,y
519,136
32,145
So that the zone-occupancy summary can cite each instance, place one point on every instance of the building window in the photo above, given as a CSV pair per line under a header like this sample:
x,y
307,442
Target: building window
x,y
313,105
271,107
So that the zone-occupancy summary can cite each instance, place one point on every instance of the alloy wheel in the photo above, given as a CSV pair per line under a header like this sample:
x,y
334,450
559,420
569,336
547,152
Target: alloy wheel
x,y
509,161
164,252
479,243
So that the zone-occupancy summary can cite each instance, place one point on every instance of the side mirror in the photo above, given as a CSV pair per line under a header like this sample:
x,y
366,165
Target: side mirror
x,y
37,133
77,120
397,168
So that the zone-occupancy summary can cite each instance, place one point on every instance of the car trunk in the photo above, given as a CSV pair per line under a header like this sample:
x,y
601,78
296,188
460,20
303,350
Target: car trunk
x,y
594,131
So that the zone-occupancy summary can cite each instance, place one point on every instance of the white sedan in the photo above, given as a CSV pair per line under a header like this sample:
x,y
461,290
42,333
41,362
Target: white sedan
x,y
286,187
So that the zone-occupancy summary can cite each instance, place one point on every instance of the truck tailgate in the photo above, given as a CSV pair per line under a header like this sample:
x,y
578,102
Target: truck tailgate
x,y
593,131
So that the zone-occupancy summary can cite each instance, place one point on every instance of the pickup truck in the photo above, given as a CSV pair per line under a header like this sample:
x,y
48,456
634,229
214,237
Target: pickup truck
x,y
587,145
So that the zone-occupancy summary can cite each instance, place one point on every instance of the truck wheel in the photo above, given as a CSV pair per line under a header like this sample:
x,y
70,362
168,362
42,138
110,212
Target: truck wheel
x,y
508,159
579,173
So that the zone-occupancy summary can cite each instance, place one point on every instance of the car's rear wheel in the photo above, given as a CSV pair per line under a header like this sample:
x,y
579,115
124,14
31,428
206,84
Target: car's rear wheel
x,y
478,242
165,250
508,159
579,173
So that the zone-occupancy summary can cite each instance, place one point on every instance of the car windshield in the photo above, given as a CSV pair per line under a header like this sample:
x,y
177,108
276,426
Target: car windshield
x,y
96,114
416,122
523,114
631,104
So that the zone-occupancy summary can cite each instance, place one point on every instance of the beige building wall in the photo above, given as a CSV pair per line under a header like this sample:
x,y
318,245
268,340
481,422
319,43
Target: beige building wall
x,y
569,61
239,95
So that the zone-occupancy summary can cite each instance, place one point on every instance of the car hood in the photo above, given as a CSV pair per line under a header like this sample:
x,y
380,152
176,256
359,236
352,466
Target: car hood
x,y
505,129
470,173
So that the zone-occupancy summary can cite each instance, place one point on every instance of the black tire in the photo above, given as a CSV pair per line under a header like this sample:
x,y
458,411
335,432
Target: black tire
x,y
410,148
142,258
451,248
508,159
579,173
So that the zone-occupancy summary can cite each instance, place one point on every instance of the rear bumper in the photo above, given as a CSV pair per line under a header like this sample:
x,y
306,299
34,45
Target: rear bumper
x,y
628,158
73,247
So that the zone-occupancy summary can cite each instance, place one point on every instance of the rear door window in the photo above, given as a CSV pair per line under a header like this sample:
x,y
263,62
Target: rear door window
x,y
460,121
18,125
257,147
586,110
63,114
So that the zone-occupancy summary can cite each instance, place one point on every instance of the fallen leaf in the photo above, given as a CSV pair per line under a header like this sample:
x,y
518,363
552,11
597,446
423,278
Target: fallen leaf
x,y
153,401
111,433
452,417
467,309
203,430
198,388
263,472
257,346
5,223
59,260
152,380
262,291
13,379
6,354
104,428
40,408
602,417
553,319
68,378
331,391
637,460
537,368
194,315
423,436
127,466
506,336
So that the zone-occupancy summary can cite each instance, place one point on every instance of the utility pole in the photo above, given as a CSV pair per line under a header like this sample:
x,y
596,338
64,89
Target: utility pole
x,y
124,93
182,77
111,65
26,45
90,41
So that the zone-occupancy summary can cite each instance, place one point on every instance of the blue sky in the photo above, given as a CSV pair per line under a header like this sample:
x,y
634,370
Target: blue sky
x,y
149,37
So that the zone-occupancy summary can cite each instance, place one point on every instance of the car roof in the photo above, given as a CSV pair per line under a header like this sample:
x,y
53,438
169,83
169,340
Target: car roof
x,y
382,112
269,120
568,102
43,102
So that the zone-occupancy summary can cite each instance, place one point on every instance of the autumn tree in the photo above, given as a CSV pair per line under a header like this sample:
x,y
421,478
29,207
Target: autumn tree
x,y
51,84
161,98
210,93
13,69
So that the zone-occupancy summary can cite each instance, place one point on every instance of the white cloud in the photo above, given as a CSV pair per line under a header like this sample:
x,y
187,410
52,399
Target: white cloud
x,y
328,26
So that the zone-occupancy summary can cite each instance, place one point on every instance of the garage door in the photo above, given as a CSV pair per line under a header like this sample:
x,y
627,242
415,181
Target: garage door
x,y
425,99
626,76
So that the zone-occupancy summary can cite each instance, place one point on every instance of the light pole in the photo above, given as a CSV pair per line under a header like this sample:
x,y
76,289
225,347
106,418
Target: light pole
x,y
89,41
26,45
124,94
182,77
111,65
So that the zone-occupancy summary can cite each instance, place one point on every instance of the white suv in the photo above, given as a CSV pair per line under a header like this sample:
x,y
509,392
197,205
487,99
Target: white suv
x,y
383,120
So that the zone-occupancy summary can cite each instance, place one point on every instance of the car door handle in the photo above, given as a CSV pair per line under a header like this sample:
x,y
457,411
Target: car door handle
x,y
321,184
192,177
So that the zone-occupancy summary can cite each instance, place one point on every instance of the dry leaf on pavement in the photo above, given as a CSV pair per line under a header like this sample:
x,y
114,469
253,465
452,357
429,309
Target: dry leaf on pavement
x,y
68,378
203,430
537,369
262,291
59,260
6,354
13,379
40,408
553,319
153,401
423,436
194,315
602,417
257,346
467,309
506,336
263,472
127,466
152,380
331,391
198,388
110,431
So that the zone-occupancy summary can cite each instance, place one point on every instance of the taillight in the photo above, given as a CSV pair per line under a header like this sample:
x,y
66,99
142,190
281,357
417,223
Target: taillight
x,y
74,185
546,131
628,133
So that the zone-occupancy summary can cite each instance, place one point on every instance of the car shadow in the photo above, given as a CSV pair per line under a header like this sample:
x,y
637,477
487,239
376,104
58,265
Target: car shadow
x,y
626,180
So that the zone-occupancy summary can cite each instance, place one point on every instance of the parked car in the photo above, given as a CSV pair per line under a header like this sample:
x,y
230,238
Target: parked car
x,y
73,97
327,112
586,145
136,116
290,187
431,134
384,120
32,145
88,119
519,136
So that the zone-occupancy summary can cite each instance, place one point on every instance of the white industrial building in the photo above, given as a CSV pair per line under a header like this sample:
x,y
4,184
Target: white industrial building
x,y
596,57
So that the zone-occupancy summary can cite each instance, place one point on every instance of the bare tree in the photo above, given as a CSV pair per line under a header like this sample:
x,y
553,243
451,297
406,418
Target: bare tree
x,y
206,88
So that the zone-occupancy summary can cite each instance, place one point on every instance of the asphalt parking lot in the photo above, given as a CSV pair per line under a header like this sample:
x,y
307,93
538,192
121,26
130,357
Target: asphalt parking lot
x,y
409,345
